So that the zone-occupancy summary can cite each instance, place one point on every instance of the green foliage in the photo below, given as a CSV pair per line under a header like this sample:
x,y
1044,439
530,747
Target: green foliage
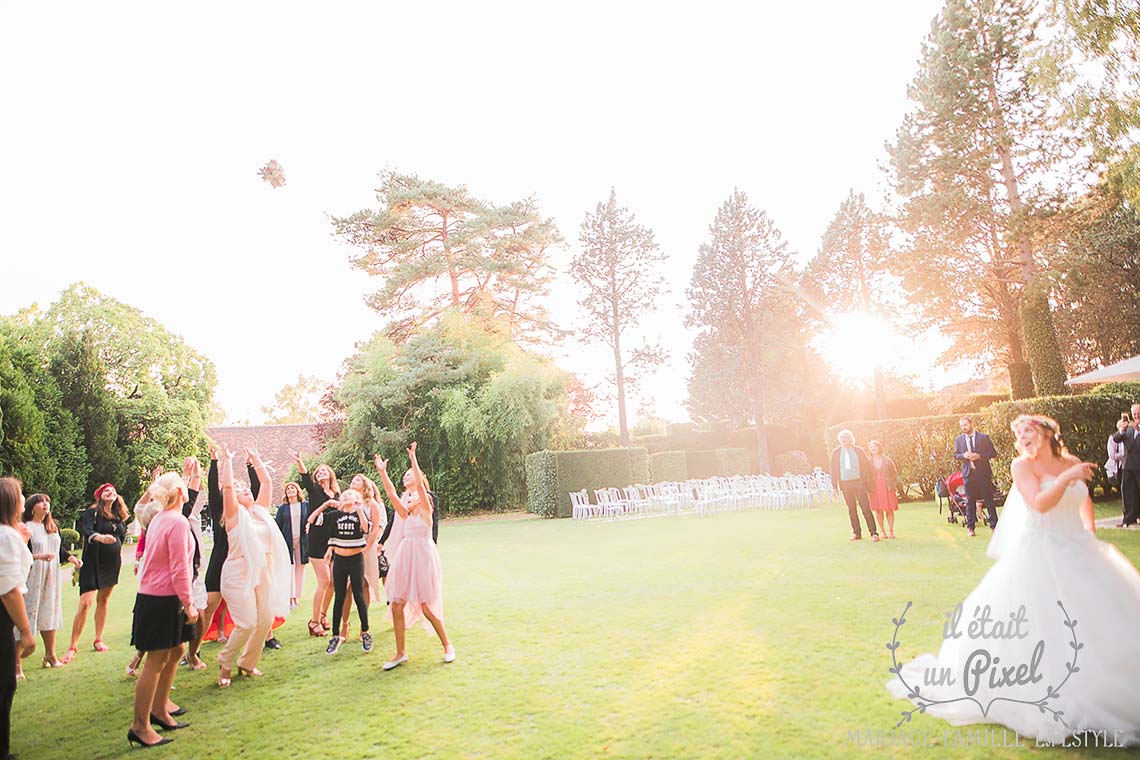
x,y
701,464
793,463
1086,423
551,476
1098,282
138,394
668,466
24,452
1041,345
75,364
475,402
69,537
1122,390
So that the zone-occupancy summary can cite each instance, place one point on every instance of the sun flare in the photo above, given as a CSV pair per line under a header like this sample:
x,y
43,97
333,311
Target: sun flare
x,y
858,342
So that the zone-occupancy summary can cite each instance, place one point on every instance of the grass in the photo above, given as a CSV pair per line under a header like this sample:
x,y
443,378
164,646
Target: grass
x,y
757,634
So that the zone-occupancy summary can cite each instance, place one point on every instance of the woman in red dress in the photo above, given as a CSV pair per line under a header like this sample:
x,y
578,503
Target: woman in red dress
x,y
884,498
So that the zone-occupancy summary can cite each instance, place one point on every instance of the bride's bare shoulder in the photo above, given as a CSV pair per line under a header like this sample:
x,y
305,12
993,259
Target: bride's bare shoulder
x,y
1022,467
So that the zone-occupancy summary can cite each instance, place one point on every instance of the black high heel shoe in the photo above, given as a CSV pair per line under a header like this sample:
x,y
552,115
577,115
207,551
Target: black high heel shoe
x,y
167,726
133,739
179,711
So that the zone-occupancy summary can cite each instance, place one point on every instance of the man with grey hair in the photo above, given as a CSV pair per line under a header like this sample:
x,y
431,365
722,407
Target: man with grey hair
x,y
851,471
1128,434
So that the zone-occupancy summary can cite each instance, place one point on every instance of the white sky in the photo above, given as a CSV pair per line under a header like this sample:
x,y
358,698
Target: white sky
x,y
133,133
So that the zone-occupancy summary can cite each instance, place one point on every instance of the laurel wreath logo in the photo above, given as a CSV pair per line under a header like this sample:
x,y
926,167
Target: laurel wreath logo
x,y
922,702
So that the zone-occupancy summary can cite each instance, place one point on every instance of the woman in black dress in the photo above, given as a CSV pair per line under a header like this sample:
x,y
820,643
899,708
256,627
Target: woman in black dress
x,y
103,528
325,488
15,562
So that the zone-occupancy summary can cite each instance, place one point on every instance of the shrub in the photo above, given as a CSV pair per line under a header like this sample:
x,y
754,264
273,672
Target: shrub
x,y
1086,423
793,463
732,462
701,464
70,538
551,476
1127,390
668,466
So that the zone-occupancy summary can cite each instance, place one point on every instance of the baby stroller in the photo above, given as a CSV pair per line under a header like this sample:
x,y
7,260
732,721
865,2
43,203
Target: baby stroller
x,y
953,489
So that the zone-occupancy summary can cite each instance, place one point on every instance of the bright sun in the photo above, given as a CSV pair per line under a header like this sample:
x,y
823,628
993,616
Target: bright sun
x,y
858,342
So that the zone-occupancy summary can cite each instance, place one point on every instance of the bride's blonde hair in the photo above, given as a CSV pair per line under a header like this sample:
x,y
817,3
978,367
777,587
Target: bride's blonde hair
x,y
1046,425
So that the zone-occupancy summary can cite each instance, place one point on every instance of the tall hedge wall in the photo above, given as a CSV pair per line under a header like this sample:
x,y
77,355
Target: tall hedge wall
x,y
923,447
552,475
668,466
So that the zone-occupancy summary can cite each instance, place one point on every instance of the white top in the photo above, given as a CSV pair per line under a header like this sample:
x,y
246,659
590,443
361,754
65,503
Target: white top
x,y
15,560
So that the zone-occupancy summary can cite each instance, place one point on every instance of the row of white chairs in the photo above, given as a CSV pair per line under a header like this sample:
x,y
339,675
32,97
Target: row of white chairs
x,y
702,497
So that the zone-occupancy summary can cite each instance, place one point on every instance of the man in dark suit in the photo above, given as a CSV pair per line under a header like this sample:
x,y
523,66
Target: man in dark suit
x,y
974,450
852,473
1128,434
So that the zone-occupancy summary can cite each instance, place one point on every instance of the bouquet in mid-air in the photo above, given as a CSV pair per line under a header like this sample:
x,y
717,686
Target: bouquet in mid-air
x,y
273,173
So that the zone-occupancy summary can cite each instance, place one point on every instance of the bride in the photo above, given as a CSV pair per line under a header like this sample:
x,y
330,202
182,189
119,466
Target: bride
x,y
1044,644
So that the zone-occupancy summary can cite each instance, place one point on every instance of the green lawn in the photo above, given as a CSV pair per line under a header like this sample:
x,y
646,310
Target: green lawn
x,y
757,634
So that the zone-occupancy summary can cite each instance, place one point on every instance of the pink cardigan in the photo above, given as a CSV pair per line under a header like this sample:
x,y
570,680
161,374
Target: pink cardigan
x,y
167,563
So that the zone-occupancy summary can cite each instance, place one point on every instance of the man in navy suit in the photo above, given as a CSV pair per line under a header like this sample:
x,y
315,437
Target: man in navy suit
x,y
1127,434
974,450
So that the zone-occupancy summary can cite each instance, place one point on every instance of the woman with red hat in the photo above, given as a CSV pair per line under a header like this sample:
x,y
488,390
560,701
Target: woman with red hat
x,y
104,528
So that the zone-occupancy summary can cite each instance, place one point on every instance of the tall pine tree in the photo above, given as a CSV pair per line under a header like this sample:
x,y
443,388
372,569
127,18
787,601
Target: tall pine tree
x,y
619,272
980,155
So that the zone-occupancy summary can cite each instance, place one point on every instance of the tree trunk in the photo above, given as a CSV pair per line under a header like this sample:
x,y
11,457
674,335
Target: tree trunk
x,y
880,396
451,273
1035,314
761,437
619,374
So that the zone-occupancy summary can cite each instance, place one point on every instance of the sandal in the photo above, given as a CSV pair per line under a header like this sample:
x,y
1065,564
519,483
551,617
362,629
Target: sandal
x,y
315,629
224,680
255,673
69,655
100,646
133,667
197,664
52,662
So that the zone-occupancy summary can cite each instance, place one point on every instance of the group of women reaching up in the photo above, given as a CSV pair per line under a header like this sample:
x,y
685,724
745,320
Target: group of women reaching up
x,y
255,569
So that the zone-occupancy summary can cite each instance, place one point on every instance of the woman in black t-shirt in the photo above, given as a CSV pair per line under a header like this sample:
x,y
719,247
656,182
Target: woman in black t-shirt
x,y
348,527
320,487
103,528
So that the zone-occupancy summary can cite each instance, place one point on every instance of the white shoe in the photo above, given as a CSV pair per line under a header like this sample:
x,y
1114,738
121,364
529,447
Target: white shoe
x,y
449,654
395,663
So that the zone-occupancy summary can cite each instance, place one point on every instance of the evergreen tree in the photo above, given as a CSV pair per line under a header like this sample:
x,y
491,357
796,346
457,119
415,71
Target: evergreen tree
x,y
976,161
742,298
619,273
437,248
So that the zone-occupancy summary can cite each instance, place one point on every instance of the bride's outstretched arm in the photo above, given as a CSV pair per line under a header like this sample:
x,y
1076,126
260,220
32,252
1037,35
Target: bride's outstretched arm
x,y
1044,499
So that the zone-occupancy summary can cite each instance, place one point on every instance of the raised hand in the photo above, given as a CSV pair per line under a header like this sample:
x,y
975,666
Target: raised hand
x,y
213,449
381,463
1082,471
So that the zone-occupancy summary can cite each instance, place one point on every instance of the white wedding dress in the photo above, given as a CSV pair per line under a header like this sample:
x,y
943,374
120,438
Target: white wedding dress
x,y
1061,574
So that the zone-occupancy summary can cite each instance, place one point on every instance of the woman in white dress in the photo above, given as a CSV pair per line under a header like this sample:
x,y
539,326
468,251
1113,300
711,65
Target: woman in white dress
x,y
44,600
1042,644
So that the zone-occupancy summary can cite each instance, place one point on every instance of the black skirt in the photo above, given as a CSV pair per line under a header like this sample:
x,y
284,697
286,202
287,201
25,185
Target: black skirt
x,y
159,623
101,565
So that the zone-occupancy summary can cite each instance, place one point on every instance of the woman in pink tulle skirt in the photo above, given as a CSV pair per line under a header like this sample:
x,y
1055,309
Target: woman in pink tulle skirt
x,y
415,580
884,497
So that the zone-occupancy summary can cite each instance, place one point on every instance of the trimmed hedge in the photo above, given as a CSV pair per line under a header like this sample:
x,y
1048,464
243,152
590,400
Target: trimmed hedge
x,y
717,462
551,476
668,466
1086,423
923,447
792,463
